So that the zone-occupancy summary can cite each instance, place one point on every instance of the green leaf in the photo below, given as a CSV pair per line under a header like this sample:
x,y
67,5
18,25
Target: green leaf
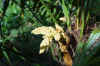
x,y
89,49
14,33
66,13
7,57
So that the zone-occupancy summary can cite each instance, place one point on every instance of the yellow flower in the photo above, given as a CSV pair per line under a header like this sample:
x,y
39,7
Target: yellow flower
x,y
63,19
48,34
59,28
44,45
43,30
57,36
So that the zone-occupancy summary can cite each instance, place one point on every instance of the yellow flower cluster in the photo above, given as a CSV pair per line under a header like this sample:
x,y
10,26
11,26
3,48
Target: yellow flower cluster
x,y
50,33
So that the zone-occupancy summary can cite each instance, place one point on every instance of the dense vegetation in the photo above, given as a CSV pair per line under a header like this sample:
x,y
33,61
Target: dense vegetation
x,y
49,32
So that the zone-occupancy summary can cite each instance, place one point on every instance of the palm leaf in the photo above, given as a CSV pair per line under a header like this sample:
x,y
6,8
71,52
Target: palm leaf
x,y
86,52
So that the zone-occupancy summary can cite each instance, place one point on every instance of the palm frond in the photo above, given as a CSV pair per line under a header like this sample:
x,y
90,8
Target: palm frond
x,y
87,51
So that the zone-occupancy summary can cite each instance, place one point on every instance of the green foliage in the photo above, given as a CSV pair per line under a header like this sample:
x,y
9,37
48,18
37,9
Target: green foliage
x,y
88,53
19,17
67,13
